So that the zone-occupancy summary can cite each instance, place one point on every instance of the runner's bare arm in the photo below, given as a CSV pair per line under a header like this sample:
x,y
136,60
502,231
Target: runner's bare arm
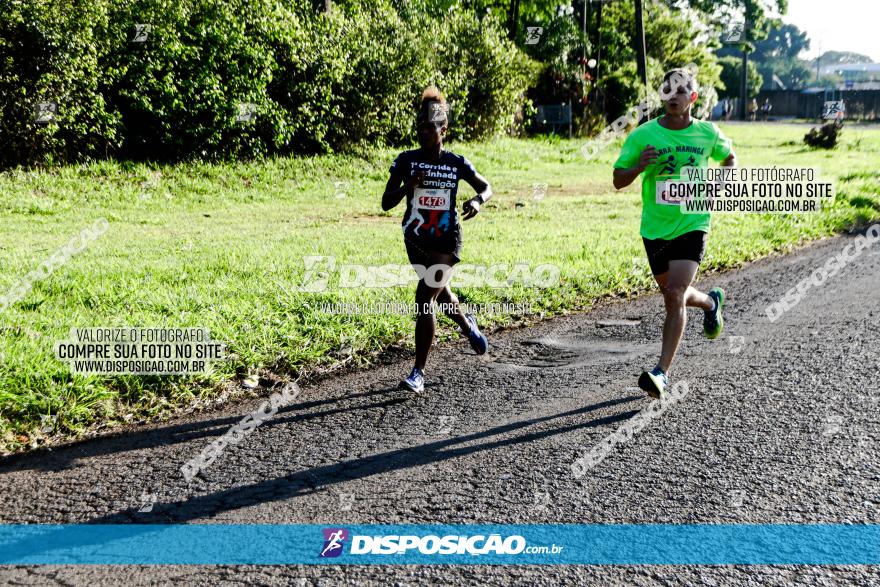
x,y
730,161
624,177
484,192
394,192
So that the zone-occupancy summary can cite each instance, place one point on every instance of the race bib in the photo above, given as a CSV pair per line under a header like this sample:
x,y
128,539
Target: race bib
x,y
663,196
432,199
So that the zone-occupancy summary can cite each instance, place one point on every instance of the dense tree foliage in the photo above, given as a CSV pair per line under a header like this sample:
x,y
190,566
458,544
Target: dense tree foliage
x,y
731,74
216,78
213,78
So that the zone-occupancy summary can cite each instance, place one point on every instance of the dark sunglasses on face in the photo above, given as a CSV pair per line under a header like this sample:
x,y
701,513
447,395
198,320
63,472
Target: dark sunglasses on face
x,y
427,125
678,90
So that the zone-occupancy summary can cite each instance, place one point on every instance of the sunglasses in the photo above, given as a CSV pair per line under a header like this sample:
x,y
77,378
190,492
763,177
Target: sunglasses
x,y
428,125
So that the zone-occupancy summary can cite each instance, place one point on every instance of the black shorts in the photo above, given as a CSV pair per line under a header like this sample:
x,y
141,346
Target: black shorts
x,y
690,246
419,254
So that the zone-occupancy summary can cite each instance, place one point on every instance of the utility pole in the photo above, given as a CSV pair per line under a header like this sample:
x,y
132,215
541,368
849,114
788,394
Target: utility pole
x,y
599,53
641,58
584,28
744,77
513,18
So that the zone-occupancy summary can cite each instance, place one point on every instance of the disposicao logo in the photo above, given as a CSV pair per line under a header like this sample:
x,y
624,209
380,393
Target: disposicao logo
x,y
334,539
445,545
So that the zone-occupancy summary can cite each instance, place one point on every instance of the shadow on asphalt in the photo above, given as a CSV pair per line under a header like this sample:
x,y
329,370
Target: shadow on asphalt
x,y
65,455
310,480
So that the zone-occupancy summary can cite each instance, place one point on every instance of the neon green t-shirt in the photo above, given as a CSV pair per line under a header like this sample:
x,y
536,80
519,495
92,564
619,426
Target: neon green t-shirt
x,y
689,147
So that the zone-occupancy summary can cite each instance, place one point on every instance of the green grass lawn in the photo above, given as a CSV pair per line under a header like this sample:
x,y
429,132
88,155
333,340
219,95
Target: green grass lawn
x,y
222,247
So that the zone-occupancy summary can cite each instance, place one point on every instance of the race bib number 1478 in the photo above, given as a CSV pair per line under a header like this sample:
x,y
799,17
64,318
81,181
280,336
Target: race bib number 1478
x,y
432,199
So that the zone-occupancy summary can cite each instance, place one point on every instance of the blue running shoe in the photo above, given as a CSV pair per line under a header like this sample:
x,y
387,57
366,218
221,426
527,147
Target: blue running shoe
x,y
415,382
654,382
713,322
478,340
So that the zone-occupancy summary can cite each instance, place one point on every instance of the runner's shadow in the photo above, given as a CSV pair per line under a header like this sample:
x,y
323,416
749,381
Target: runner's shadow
x,y
64,456
310,480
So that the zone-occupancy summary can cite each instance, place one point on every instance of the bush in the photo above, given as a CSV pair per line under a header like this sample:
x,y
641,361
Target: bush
x,y
825,137
243,77
364,88
51,54
491,74
198,83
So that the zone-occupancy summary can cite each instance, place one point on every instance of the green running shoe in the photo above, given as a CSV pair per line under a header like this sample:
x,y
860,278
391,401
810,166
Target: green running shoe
x,y
713,322
654,382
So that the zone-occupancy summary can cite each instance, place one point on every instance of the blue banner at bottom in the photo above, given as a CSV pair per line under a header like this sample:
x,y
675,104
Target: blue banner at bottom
x,y
269,544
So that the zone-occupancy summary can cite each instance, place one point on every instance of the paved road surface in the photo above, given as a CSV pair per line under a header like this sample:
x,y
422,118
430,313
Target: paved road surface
x,y
780,425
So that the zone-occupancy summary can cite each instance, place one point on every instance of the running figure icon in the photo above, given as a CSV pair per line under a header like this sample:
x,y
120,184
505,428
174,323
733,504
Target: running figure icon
x,y
333,543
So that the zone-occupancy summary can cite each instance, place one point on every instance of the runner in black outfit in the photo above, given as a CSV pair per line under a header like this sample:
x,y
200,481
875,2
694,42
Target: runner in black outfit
x,y
430,176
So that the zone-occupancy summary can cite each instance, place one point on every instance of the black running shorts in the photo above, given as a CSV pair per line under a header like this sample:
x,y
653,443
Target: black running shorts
x,y
690,246
418,254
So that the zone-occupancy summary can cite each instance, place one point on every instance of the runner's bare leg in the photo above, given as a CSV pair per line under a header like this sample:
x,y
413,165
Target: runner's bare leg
x,y
677,295
426,325
452,309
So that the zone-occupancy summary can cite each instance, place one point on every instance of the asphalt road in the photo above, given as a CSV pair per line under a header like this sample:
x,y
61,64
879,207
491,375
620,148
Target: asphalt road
x,y
780,425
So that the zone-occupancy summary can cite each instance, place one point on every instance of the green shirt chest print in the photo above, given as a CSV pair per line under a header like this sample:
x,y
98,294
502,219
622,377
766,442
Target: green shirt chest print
x,y
690,147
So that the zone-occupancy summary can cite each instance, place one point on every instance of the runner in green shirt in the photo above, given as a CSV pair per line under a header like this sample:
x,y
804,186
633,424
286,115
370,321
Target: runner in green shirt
x,y
675,242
